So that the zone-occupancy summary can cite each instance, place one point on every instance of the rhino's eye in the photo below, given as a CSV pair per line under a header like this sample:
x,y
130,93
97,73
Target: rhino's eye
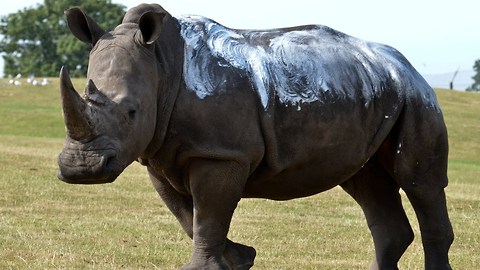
x,y
131,114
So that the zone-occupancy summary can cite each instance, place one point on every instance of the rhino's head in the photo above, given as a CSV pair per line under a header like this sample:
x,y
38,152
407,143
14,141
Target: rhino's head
x,y
112,124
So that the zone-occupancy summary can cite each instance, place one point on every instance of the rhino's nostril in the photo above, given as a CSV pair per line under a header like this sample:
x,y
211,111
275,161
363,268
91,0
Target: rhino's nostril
x,y
109,163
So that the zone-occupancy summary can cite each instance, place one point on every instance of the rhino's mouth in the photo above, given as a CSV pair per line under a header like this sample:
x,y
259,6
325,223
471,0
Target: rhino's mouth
x,y
98,170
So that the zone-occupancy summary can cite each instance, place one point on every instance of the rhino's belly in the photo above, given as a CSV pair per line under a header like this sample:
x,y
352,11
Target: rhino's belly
x,y
299,181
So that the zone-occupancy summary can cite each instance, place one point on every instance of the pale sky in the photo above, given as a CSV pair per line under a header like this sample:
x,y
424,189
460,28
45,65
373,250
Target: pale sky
x,y
437,36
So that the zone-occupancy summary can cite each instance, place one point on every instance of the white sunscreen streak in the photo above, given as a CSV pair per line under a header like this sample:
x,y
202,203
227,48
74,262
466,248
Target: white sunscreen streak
x,y
198,33
293,63
285,65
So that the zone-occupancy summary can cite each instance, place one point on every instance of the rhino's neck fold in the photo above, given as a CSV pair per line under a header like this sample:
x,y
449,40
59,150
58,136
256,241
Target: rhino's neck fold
x,y
169,52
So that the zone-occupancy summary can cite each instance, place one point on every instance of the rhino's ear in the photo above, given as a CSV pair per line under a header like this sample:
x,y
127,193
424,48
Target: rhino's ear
x,y
82,26
150,25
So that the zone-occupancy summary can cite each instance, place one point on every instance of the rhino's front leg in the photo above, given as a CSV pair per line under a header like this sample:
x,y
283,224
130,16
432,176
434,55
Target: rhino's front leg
x,y
237,256
216,188
180,205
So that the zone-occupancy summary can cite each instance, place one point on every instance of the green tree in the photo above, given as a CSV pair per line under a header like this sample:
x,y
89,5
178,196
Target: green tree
x,y
36,40
476,78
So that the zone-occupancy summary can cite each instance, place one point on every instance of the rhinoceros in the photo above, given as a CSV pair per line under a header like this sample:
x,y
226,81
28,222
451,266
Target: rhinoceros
x,y
218,114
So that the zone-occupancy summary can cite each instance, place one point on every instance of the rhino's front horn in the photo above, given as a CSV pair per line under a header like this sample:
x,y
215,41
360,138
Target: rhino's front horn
x,y
76,112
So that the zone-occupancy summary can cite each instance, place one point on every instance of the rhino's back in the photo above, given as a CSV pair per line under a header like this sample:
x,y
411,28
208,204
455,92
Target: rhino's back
x,y
294,65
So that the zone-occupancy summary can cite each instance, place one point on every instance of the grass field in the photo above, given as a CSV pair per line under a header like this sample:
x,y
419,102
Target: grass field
x,y
47,224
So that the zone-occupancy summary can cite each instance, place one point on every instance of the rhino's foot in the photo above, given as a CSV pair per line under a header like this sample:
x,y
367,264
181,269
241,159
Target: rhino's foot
x,y
209,264
238,256
235,256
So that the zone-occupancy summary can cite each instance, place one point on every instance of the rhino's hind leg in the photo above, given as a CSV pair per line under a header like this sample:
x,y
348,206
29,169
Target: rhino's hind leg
x,y
429,202
420,168
435,227
378,195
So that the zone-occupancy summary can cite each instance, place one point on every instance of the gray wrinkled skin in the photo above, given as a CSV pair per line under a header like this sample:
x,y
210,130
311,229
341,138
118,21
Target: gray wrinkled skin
x,y
217,114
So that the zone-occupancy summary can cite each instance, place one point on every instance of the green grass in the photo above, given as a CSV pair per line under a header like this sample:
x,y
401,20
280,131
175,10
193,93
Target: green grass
x,y
47,224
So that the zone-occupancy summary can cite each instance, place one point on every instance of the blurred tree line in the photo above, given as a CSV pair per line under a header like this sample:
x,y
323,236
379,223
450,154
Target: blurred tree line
x,y
476,78
36,40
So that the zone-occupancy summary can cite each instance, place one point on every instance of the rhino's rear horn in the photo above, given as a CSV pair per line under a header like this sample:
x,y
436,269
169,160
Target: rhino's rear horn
x,y
76,112
92,94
